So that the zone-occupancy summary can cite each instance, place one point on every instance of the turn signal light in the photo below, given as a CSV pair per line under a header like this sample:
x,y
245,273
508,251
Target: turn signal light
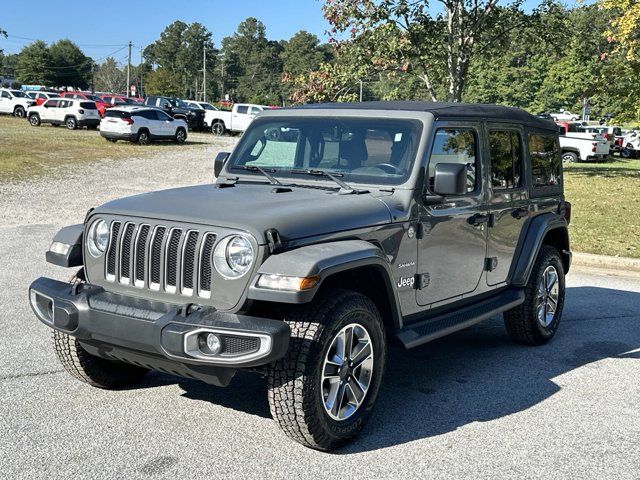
x,y
289,283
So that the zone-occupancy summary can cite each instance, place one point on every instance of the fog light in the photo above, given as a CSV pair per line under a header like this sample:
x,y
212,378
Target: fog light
x,y
210,343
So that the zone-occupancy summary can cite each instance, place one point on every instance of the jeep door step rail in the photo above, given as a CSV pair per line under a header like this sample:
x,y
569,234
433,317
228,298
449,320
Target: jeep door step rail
x,y
441,325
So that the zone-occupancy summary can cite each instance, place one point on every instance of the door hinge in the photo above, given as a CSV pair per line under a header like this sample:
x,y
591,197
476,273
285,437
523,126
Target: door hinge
x,y
422,281
490,264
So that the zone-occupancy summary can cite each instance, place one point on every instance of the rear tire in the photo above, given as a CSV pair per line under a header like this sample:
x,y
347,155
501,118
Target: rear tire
x,y
71,123
19,112
312,390
34,120
536,321
569,157
88,368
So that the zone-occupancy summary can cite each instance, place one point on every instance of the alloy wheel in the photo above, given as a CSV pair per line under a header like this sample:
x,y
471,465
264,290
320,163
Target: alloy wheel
x,y
548,293
346,372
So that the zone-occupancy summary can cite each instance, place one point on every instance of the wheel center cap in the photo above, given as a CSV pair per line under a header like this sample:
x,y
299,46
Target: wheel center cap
x,y
345,371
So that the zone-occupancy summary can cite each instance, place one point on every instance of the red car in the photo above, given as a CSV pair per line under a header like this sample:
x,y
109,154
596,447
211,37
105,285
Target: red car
x,y
100,104
41,97
119,99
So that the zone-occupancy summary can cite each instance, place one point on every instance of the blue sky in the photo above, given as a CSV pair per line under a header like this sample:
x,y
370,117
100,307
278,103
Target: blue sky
x,y
102,28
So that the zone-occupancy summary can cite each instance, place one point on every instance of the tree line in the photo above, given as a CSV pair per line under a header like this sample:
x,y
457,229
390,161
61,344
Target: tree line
x,y
544,59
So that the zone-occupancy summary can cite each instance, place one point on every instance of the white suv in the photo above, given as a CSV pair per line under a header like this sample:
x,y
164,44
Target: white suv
x,y
15,102
71,112
141,125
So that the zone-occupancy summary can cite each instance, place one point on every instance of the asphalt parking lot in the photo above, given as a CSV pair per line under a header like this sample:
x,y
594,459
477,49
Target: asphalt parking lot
x,y
470,405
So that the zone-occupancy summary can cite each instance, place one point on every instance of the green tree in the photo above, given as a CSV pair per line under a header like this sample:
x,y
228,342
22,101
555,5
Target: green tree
x,y
303,53
253,66
110,78
69,65
163,81
405,35
33,65
180,49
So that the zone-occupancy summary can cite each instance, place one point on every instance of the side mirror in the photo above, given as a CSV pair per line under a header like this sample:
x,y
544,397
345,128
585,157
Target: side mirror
x,y
450,179
219,162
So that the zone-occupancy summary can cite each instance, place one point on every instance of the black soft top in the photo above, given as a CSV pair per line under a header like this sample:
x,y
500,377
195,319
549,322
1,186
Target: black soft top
x,y
444,110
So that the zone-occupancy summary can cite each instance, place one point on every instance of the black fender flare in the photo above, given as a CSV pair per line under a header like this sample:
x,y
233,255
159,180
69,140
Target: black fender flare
x,y
530,243
324,260
71,237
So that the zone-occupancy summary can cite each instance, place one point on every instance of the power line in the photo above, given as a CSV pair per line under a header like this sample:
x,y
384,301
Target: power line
x,y
88,45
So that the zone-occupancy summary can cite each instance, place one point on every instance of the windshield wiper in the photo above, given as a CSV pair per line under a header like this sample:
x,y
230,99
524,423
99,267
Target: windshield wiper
x,y
344,187
254,168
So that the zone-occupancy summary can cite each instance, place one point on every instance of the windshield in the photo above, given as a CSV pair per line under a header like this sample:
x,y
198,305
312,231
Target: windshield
x,y
359,150
19,93
206,106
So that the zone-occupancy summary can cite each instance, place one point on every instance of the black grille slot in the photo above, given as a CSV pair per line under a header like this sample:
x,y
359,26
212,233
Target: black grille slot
x,y
172,257
140,252
156,255
111,254
239,345
205,262
125,254
189,261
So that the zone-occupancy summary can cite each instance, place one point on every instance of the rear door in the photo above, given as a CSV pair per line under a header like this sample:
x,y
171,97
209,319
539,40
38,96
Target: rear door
x,y
508,198
453,243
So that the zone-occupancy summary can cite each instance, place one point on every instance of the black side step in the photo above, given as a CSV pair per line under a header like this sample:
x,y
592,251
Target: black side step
x,y
436,327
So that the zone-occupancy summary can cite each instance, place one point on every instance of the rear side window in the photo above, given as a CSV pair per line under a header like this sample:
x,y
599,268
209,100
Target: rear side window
x,y
88,105
506,159
116,114
455,146
545,160
243,109
148,114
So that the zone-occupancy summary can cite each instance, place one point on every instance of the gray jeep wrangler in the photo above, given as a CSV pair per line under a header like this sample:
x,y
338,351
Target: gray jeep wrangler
x,y
330,230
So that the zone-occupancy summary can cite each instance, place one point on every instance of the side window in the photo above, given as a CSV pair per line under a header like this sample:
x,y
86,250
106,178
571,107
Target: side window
x,y
5,94
506,159
243,109
51,103
161,116
455,145
545,160
255,110
164,103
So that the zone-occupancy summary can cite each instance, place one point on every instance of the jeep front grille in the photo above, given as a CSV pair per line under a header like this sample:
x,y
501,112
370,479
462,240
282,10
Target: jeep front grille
x,y
174,260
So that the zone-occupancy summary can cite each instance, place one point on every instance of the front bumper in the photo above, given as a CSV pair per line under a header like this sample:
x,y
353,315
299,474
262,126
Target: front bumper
x,y
163,335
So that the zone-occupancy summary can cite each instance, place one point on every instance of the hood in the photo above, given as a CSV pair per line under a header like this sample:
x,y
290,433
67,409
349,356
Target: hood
x,y
254,208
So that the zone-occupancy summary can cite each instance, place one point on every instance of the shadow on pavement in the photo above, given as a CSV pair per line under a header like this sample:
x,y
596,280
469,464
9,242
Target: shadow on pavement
x,y
478,374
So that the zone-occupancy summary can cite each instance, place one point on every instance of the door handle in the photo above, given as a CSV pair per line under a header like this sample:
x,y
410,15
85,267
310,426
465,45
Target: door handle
x,y
479,219
520,213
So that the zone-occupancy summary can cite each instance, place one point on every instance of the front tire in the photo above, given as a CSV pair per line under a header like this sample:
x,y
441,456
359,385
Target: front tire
x,y
218,128
536,321
181,135
322,393
88,368
34,120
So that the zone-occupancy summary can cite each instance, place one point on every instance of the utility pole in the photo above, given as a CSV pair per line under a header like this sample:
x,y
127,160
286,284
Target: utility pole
x,y
221,77
141,72
129,71
204,73
360,91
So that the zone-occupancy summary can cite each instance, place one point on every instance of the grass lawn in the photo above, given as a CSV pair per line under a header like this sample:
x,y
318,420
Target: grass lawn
x,y
27,151
605,199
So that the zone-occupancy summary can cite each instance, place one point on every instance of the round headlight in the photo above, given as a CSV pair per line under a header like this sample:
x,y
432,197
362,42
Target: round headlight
x,y
233,256
98,238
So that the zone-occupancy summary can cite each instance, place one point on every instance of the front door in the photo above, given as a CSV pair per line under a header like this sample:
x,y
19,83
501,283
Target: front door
x,y
453,233
6,105
509,201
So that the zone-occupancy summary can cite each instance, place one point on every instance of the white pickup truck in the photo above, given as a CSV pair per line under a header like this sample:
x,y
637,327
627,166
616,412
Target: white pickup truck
x,y
577,146
15,102
237,120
